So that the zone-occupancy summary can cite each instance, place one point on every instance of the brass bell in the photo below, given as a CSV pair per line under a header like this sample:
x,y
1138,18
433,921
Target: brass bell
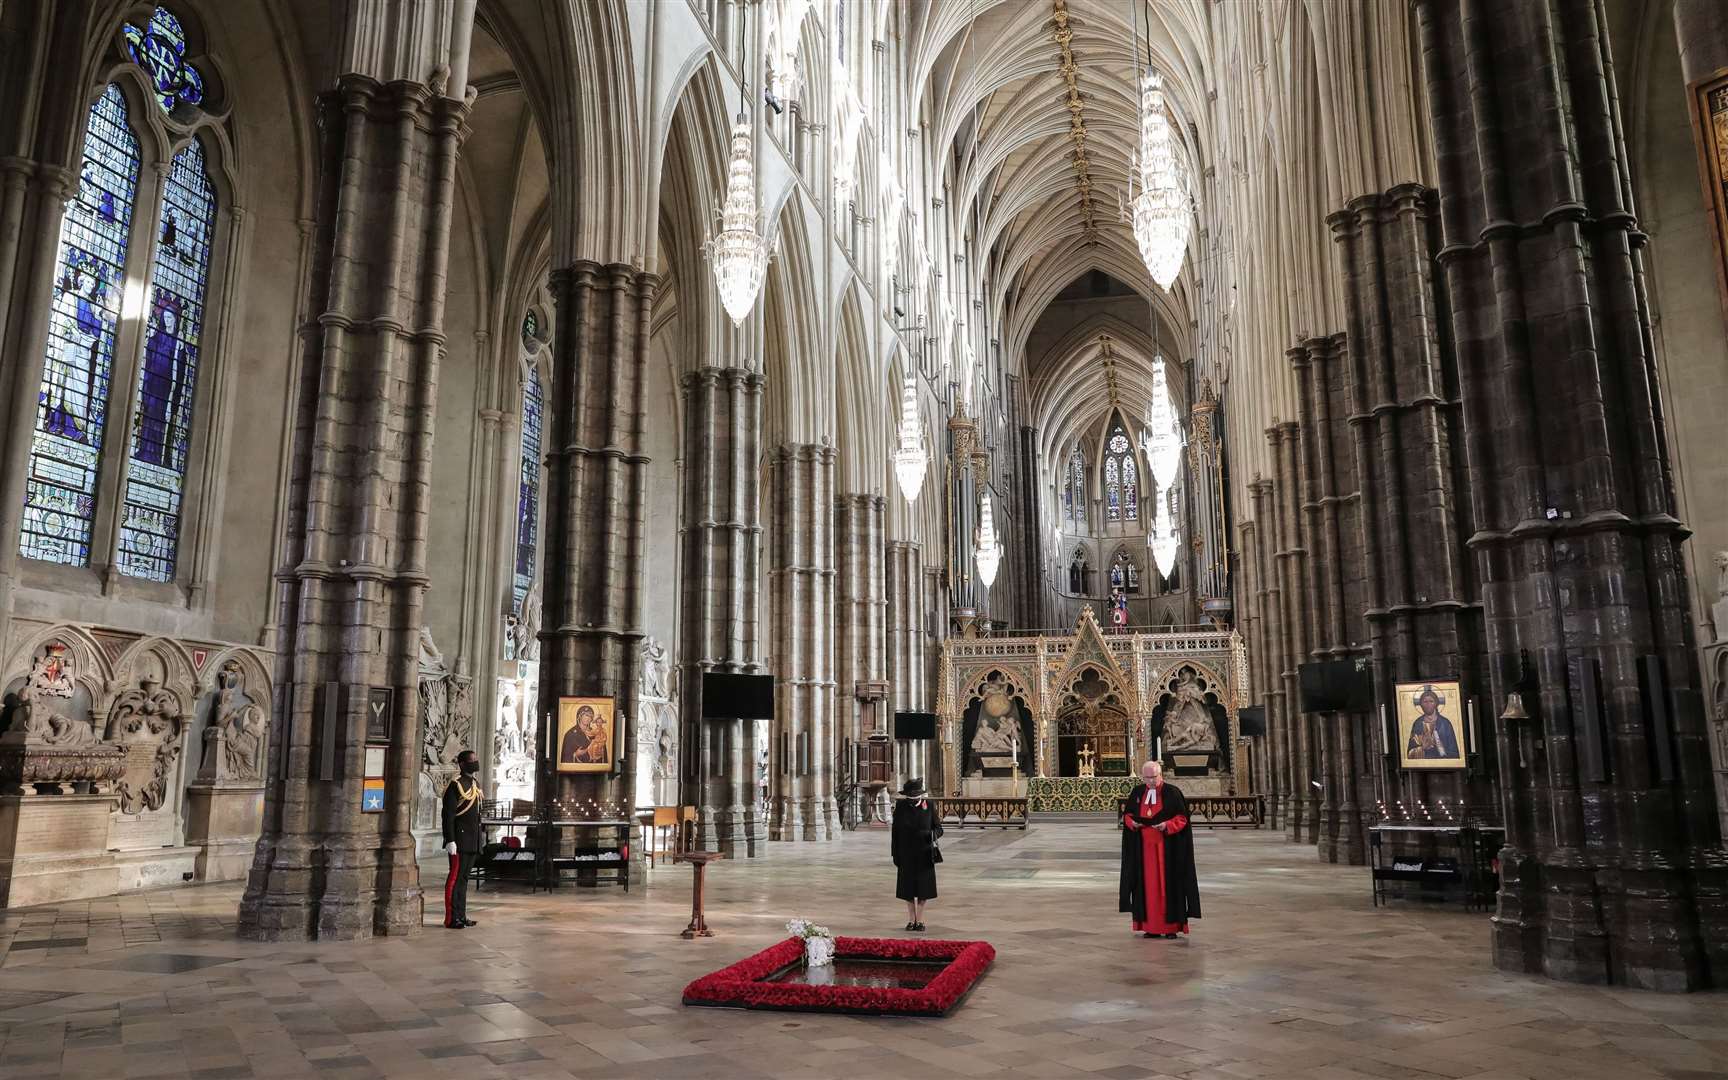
x,y
1514,709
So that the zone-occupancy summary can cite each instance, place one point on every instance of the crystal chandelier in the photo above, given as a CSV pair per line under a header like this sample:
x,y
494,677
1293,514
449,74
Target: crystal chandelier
x,y
740,253
1163,438
1163,541
910,459
988,548
1163,216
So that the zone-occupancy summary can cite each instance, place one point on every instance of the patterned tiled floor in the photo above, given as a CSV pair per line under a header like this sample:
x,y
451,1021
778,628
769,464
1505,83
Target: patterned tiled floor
x,y
1291,974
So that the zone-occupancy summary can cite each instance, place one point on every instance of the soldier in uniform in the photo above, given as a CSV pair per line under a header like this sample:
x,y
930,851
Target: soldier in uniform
x,y
462,836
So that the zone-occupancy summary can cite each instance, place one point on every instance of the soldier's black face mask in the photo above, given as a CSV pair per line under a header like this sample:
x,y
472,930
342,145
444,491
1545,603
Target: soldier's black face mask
x,y
469,768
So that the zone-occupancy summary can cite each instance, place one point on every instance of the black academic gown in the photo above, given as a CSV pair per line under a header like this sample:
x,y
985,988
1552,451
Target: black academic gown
x,y
1181,886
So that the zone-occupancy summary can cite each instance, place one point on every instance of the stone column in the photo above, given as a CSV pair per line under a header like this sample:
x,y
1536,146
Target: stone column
x,y
802,582
1612,873
861,624
905,578
1400,386
722,544
1294,593
354,577
596,484
1270,622
1033,598
932,621
1332,537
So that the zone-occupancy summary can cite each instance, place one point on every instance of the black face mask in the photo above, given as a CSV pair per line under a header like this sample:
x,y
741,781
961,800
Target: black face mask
x,y
469,768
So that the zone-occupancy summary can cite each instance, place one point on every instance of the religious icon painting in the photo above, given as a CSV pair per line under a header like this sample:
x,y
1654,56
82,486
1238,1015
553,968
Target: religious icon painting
x,y
1430,732
372,795
586,739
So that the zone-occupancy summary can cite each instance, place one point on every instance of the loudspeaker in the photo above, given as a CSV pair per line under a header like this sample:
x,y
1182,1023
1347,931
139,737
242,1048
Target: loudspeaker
x,y
327,724
1658,718
915,725
1251,721
1586,676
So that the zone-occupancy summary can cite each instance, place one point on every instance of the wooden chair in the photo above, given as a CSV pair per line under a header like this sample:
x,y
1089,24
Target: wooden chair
x,y
684,839
665,818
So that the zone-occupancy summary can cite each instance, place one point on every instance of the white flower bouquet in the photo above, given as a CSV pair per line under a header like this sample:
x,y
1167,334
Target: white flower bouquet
x,y
818,942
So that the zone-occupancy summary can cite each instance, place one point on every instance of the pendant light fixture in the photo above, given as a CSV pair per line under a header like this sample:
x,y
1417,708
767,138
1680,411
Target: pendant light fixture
x,y
911,458
739,254
987,548
1162,210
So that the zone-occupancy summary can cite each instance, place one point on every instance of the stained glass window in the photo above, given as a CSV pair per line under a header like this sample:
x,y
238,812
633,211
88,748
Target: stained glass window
x,y
159,47
1125,573
528,490
1076,489
71,408
530,331
168,370
1121,478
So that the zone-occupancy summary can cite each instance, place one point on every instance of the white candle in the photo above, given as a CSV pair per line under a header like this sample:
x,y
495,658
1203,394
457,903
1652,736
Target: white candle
x,y
1385,732
1475,736
1160,748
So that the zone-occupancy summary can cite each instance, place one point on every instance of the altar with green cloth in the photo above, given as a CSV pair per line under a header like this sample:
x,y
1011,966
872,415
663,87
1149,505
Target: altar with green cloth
x,y
1077,794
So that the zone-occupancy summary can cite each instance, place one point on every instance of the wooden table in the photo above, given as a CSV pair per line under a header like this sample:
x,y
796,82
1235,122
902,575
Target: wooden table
x,y
699,859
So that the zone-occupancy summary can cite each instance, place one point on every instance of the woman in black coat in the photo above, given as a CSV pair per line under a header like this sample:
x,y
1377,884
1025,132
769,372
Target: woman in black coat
x,y
915,852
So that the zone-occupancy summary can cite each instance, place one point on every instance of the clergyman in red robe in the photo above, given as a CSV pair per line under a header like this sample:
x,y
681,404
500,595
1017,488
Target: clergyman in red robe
x,y
1158,887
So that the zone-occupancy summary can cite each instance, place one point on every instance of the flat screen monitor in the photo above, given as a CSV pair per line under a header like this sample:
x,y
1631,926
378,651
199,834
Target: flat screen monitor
x,y
915,725
1252,720
737,697
1336,686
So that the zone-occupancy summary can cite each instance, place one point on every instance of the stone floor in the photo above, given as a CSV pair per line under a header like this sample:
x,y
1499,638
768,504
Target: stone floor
x,y
1291,974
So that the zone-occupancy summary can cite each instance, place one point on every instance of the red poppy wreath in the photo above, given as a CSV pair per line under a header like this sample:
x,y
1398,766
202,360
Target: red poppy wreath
x,y
754,982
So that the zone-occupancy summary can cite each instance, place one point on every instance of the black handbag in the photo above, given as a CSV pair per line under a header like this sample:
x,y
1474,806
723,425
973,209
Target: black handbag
x,y
935,852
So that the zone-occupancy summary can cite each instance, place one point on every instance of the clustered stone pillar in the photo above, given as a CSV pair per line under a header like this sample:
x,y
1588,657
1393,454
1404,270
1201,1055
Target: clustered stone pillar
x,y
1259,777
905,579
861,619
722,544
801,773
1295,592
354,574
1267,649
1613,868
1032,596
1401,391
596,483
1332,537
935,631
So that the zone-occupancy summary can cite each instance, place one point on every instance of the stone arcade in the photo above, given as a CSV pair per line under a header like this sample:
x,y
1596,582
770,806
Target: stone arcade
x,y
1125,378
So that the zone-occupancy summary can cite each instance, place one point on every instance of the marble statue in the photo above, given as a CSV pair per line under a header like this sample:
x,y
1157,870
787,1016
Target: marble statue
x,y
1187,721
237,728
47,692
46,725
430,658
526,632
997,734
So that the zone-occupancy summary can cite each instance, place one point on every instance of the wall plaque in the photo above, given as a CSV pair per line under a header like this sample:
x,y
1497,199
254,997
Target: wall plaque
x,y
380,708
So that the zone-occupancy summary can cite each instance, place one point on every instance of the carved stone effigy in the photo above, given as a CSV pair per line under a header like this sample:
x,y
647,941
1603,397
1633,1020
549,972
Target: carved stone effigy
x,y
1091,697
93,798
